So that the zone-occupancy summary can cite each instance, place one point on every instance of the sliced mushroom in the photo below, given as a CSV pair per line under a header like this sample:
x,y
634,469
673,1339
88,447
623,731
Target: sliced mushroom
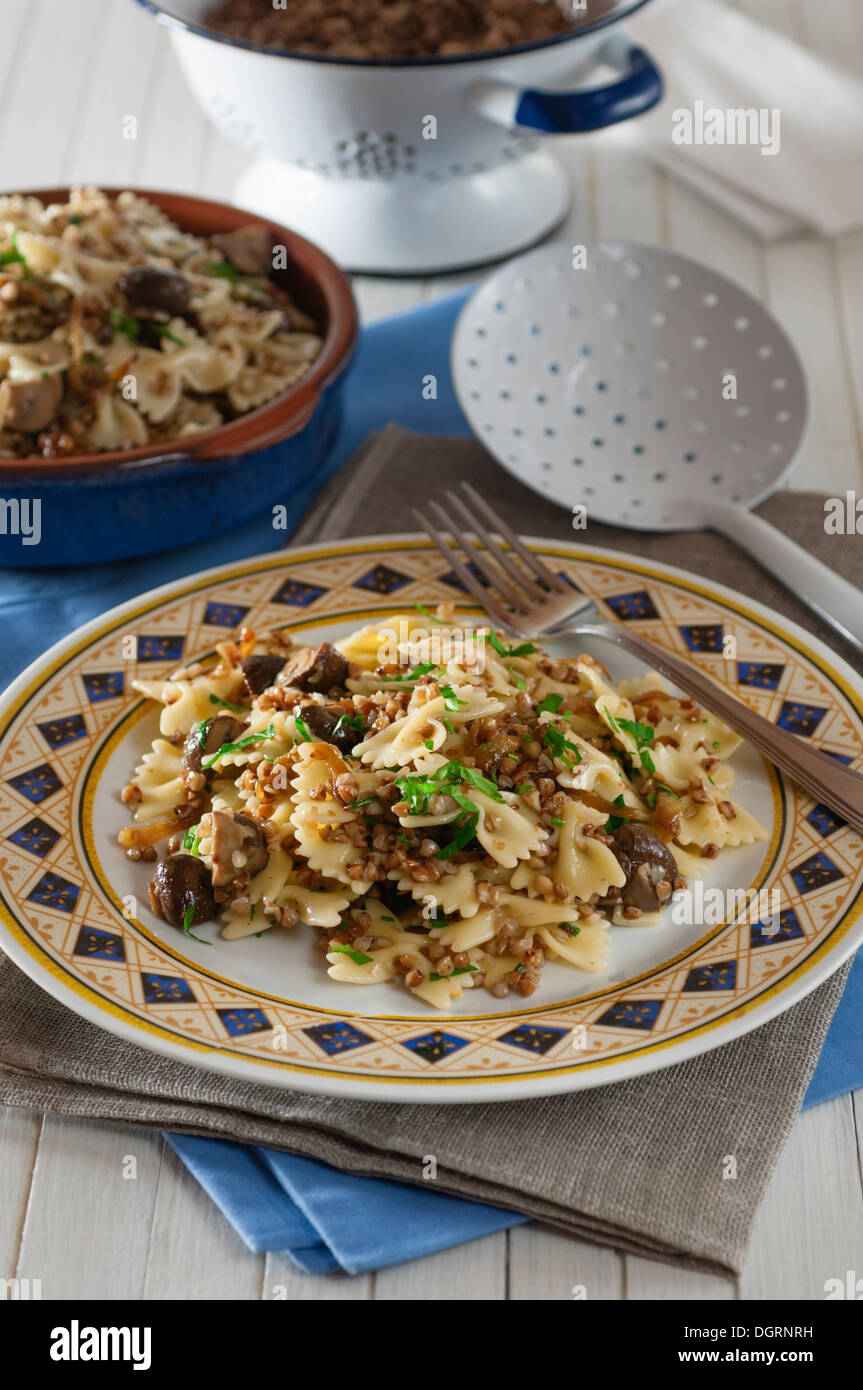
x,y
315,668
248,248
261,671
182,882
158,288
649,865
323,721
31,404
239,847
207,738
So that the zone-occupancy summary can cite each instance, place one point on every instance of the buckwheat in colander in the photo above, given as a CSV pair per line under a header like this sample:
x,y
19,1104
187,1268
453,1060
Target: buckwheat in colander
x,y
341,148
651,391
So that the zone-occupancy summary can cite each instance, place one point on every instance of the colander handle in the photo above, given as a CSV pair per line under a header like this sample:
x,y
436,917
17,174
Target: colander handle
x,y
834,600
638,88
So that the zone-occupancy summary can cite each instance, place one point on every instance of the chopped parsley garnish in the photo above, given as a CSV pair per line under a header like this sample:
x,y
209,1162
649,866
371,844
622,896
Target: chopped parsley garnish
x,y
571,927
188,919
164,332
462,970
303,730
716,743
237,747
421,608
519,967
124,323
647,761
75,219
558,744
388,919
358,957
191,840
202,732
642,733
223,270
448,726
495,643
451,701
353,722
13,256
429,743
463,836
362,801
415,674
519,680
524,788
235,709
614,822
550,705
558,820
662,787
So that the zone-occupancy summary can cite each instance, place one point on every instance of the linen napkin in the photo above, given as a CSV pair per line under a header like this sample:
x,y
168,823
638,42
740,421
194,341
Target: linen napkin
x,y
715,59
637,1165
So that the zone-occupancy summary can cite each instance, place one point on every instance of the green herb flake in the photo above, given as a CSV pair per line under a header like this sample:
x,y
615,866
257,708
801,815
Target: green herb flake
x,y
223,270
451,701
571,927
14,256
358,957
414,675
615,822
238,747
124,323
462,970
448,726
75,218
519,680
647,762
558,744
235,709
558,820
188,919
716,743
495,643
429,744
550,705
303,730
524,788
354,722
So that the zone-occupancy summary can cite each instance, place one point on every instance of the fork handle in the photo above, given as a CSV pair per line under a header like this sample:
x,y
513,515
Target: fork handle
x,y
828,781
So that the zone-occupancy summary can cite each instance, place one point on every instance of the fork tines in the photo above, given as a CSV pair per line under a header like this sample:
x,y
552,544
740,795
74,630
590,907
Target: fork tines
x,y
493,574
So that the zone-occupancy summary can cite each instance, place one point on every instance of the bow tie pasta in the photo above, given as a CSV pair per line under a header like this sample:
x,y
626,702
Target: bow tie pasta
x,y
446,810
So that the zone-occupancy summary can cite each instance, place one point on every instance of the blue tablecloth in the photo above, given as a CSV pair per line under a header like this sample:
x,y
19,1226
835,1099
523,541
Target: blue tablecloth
x,y
324,1219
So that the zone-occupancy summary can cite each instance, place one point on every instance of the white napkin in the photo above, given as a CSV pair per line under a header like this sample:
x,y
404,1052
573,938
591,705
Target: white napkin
x,y
714,56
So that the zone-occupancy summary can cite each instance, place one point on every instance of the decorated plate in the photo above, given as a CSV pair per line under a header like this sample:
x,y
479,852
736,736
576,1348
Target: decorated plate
x,y
768,923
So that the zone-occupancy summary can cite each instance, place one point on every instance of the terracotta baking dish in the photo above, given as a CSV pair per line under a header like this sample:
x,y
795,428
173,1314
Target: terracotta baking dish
x,y
98,507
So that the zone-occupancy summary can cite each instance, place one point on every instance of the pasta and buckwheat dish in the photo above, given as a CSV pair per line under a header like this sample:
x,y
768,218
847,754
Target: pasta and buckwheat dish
x,y
118,329
445,808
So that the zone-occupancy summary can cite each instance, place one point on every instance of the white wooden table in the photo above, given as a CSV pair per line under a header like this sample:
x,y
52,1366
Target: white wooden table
x,y
70,71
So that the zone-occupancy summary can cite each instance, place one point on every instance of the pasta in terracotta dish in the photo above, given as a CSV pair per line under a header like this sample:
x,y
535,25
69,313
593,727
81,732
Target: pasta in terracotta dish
x,y
446,808
118,330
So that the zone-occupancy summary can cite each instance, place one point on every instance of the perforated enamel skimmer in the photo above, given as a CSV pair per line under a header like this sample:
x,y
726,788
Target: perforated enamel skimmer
x,y
647,388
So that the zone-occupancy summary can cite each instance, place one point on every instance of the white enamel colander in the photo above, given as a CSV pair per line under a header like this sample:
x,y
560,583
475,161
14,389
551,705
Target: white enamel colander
x,y
415,165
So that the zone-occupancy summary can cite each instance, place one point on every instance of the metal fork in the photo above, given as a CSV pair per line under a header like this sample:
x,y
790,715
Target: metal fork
x,y
532,601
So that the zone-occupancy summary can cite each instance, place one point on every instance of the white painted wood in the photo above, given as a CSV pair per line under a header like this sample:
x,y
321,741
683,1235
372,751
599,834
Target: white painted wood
x,y
19,1140
193,1252
283,1281
810,1226
651,1280
476,1271
547,1266
87,1228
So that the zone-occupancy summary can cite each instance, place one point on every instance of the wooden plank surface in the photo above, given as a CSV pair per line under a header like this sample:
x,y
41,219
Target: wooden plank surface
x,y
67,1213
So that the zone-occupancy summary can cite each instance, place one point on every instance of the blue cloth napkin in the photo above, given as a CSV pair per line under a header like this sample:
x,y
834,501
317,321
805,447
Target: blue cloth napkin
x,y
327,1220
